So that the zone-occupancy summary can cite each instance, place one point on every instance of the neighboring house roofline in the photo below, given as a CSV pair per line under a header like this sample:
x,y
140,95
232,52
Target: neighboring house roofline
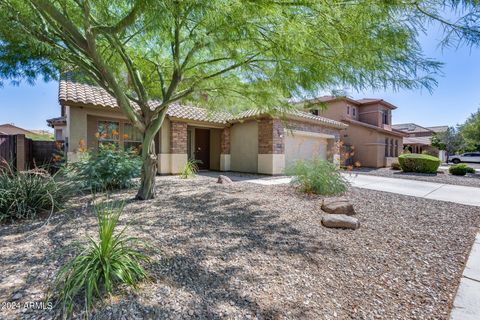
x,y
426,141
438,129
403,127
359,102
370,126
25,131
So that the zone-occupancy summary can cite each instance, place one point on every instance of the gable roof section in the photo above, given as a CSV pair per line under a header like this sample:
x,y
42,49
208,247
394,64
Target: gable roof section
x,y
418,140
77,93
370,126
8,128
359,102
411,128
437,129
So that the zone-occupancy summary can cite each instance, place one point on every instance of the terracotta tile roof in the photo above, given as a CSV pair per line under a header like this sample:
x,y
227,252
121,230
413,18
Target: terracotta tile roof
x,y
197,114
74,92
289,115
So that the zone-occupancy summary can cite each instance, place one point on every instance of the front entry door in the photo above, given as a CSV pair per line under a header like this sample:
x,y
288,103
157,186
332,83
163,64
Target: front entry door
x,y
202,148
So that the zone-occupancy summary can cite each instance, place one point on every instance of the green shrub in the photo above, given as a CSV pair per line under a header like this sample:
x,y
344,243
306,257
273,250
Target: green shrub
x,y
460,169
25,194
190,169
395,166
317,176
470,170
421,163
108,169
113,259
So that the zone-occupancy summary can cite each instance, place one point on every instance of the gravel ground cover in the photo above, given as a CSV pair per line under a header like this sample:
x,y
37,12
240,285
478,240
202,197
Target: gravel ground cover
x,y
470,180
245,251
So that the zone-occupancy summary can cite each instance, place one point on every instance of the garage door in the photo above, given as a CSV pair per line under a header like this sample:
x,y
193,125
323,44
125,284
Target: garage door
x,y
299,146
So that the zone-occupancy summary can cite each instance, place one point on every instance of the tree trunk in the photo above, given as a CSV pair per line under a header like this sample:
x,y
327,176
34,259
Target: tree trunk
x,y
149,170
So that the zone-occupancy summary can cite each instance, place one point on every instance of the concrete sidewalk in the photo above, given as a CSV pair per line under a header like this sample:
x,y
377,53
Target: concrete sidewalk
x,y
467,301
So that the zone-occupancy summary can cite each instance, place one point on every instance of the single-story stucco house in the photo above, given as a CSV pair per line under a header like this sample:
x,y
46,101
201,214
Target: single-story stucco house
x,y
248,142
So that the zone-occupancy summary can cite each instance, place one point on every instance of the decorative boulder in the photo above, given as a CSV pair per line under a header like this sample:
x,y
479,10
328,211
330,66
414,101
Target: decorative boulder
x,y
338,206
224,179
340,221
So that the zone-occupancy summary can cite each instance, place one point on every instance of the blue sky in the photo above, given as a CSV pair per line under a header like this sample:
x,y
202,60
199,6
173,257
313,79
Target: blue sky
x,y
455,98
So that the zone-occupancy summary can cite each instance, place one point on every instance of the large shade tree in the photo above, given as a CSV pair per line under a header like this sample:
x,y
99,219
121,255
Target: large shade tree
x,y
231,54
470,130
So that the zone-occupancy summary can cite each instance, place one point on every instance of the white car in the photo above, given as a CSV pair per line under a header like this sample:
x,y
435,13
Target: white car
x,y
465,157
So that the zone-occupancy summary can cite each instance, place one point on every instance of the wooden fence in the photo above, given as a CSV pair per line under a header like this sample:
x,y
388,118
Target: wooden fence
x,y
8,147
24,153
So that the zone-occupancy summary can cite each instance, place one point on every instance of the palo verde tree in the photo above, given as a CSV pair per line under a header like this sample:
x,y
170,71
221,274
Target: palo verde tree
x,y
221,54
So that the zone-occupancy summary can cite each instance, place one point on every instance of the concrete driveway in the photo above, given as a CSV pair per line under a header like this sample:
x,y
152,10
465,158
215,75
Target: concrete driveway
x,y
415,188
422,189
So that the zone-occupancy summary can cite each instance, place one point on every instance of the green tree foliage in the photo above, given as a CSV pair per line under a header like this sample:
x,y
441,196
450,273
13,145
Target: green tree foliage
x,y
219,53
470,131
451,141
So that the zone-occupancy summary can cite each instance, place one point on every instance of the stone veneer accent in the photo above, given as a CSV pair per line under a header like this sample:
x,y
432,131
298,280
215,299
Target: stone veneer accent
x,y
270,136
178,137
225,141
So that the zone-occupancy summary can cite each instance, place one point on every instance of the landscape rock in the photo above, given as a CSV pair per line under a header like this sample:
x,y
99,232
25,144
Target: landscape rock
x,y
338,206
340,221
224,179
17,296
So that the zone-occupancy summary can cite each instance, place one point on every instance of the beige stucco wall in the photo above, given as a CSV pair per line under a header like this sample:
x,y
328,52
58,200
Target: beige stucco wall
x,y
80,124
244,147
336,110
164,138
369,145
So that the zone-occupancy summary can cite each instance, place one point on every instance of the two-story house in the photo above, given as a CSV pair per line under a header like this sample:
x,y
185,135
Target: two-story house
x,y
419,139
369,139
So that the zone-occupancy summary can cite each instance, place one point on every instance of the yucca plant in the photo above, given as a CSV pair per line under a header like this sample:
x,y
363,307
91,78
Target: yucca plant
x,y
112,260
24,194
190,169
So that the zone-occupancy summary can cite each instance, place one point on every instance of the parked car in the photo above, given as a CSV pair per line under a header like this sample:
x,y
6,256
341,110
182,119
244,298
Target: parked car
x,y
465,157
